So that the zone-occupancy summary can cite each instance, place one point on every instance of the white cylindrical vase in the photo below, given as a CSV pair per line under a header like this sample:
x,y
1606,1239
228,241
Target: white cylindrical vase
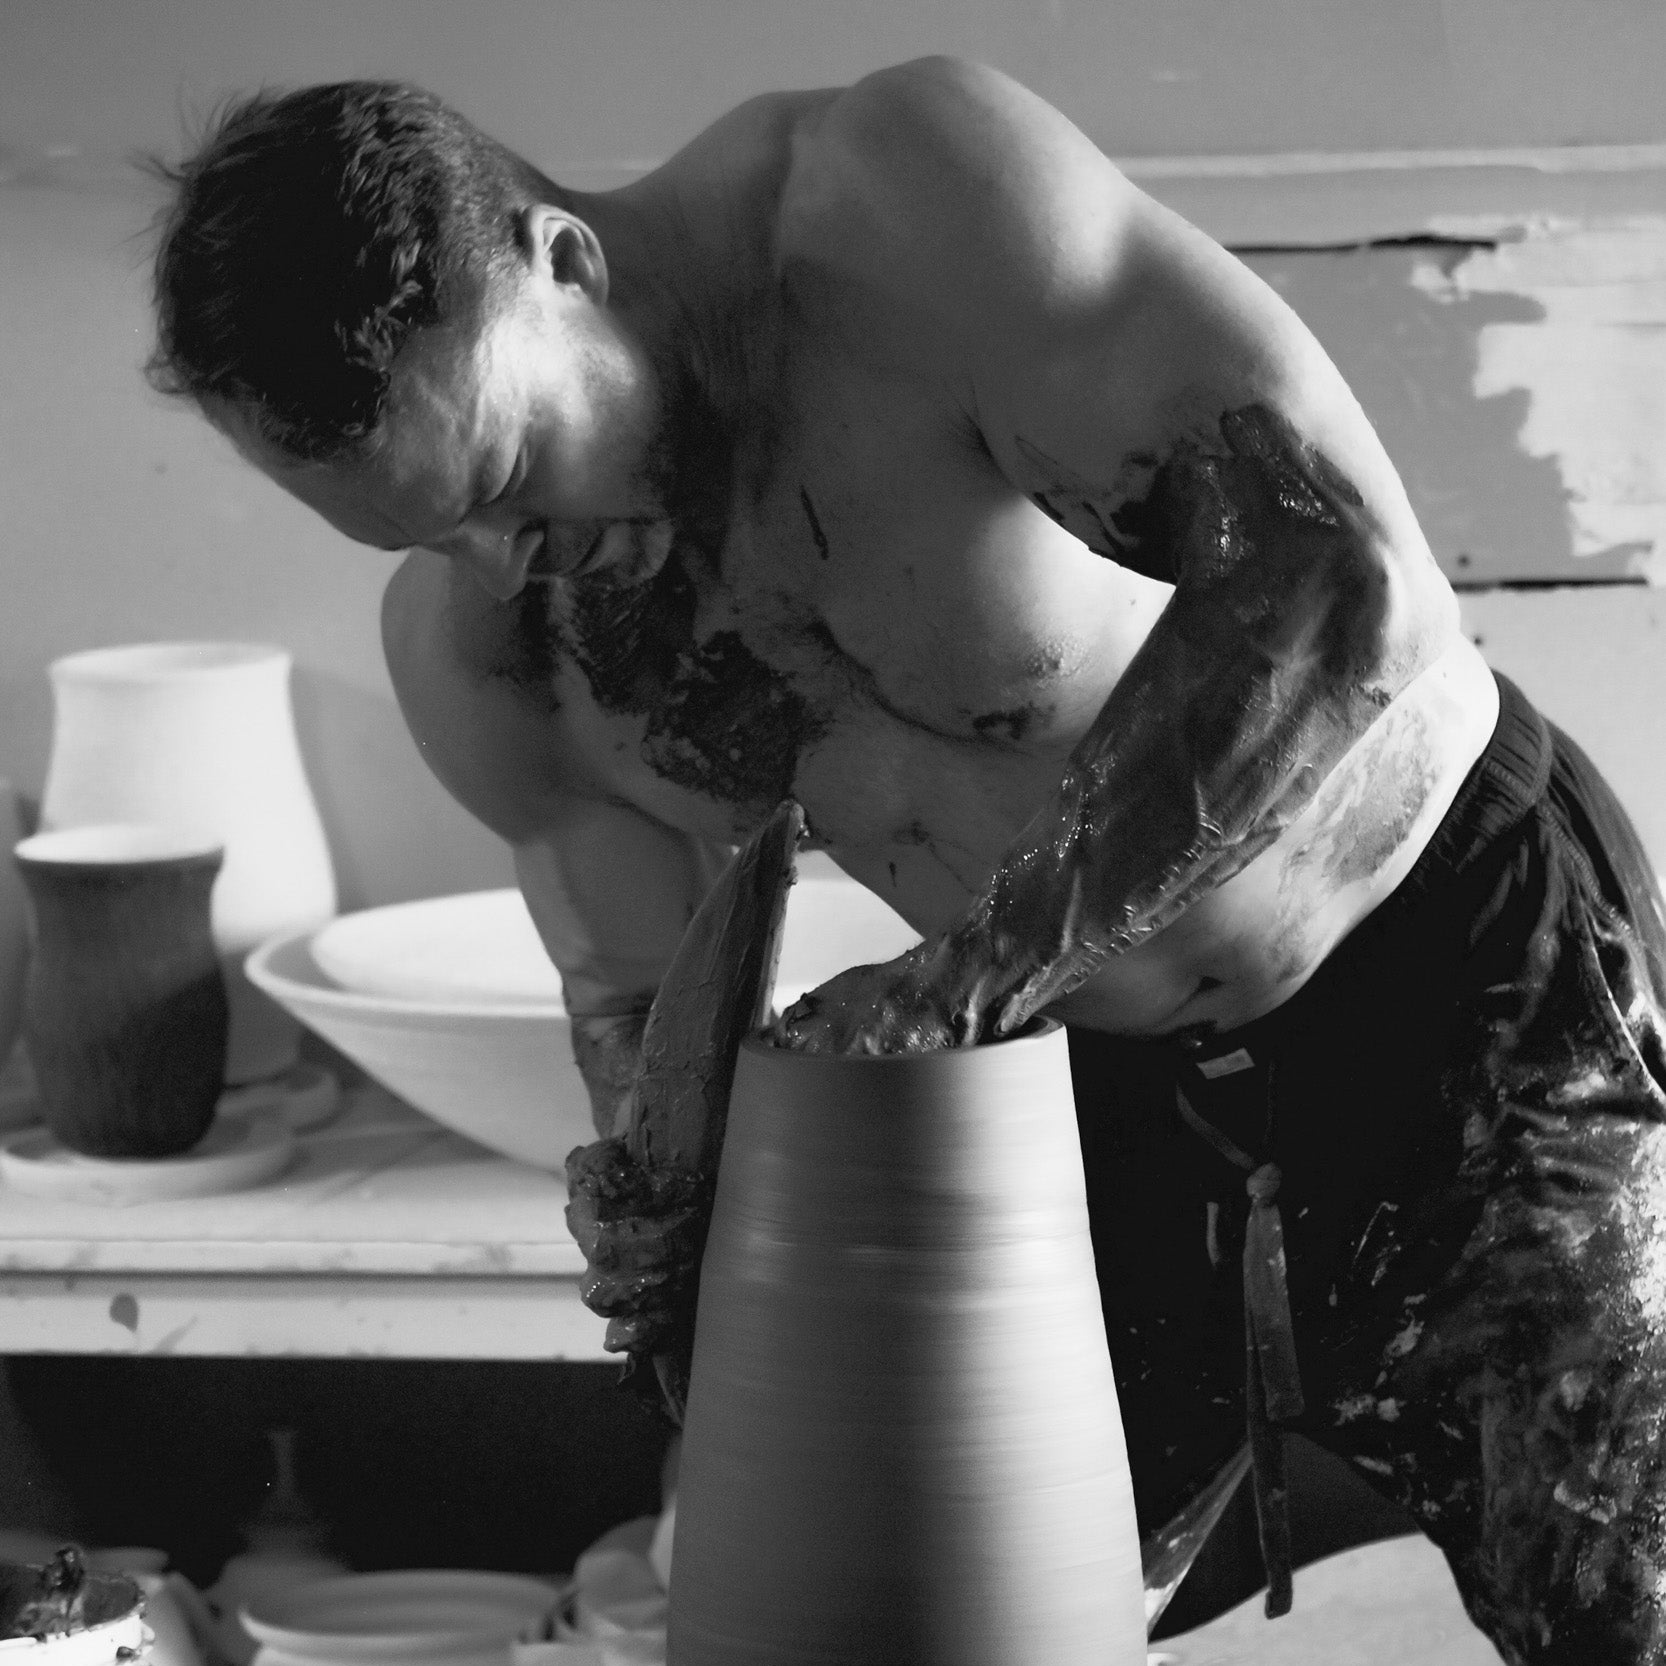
x,y
200,737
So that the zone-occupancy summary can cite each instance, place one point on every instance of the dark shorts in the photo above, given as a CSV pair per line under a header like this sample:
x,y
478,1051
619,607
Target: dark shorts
x,y
1467,1106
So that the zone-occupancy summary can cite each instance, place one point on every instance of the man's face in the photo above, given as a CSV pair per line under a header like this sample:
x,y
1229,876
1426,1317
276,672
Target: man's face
x,y
522,447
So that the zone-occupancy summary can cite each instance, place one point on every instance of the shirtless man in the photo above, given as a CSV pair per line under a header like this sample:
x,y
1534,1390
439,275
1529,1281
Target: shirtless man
x,y
887,449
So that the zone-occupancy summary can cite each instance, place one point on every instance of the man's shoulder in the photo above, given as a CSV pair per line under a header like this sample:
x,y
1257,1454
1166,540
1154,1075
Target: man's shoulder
x,y
436,678
948,175
934,105
474,694
417,605
902,108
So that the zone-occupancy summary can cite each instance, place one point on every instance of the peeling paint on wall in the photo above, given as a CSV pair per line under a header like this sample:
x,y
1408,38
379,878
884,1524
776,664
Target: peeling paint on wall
x,y
1492,513
1592,365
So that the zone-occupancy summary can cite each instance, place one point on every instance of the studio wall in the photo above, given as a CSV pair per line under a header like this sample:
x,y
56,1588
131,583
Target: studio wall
x,y
123,518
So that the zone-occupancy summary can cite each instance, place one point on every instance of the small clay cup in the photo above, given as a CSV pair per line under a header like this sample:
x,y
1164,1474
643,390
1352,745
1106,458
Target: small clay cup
x,y
124,1011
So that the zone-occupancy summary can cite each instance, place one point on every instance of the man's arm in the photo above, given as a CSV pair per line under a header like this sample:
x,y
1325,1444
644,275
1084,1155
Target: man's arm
x,y
610,889
611,893
1148,393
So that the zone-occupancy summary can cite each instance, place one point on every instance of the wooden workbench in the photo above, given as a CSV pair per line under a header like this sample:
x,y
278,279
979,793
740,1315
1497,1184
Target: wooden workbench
x,y
386,1237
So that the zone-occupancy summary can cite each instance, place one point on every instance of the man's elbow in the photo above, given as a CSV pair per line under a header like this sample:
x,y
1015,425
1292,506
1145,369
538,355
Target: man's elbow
x,y
1413,615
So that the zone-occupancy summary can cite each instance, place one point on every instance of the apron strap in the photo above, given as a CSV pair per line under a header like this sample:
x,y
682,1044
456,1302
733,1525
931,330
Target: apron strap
x,y
1273,1385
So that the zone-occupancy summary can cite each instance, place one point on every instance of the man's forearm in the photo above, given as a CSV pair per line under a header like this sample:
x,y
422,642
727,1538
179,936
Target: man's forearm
x,y
1282,644
1278,650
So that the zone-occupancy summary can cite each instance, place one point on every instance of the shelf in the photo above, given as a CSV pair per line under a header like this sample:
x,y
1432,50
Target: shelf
x,y
386,1237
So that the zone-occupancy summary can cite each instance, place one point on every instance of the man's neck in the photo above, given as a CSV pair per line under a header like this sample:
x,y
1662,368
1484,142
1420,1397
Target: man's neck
x,y
695,311
691,284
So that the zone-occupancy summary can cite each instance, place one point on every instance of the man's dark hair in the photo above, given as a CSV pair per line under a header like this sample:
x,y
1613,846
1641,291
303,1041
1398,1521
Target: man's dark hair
x,y
309,235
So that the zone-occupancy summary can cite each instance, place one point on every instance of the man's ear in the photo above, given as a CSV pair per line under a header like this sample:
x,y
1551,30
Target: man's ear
x,y
563,247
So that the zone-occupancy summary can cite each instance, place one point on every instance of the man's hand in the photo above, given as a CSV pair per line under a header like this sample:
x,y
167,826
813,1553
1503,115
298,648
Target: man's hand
x,y
641,1231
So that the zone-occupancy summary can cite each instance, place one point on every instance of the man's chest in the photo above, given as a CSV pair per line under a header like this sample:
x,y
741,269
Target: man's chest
x,y
885,628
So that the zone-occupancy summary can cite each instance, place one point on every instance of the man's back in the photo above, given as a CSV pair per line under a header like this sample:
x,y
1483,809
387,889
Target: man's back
x,y
952,362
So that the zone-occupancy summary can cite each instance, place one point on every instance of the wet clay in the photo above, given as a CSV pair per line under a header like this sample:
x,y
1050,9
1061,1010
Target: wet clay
x,y
721,722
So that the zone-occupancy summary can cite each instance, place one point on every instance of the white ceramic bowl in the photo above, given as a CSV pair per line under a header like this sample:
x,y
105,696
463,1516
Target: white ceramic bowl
x,y
478,947
500,1071
455,1616
452,1004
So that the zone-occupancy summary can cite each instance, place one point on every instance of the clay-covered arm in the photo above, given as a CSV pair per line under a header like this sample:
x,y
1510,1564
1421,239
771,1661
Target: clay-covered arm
x,y
1289,631
1284,640
640,1202
1148,393
611,893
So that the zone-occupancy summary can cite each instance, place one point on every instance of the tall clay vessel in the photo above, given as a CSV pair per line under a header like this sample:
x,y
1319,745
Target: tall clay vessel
x,y
902,1444
200,737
